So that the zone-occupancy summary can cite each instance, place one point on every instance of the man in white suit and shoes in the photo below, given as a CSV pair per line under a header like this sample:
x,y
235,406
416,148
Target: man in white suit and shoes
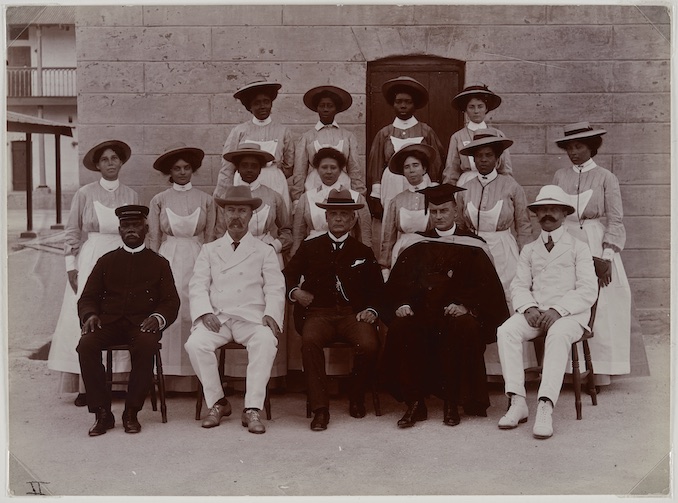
x,y
237,293
553,291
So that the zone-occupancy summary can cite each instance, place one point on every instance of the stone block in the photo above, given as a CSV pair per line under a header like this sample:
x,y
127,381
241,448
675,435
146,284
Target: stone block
x,y
110,77
347,15
630,138
562,108
655,323
93,134
479,15
300,77
508,76
648,233
573,77
207,137
643,42
527,138
225,109
651,292
285,44
144,44
108,15
598,14
144,109
534,170
642,76
646,200
213,15
647,263
641,169
642,107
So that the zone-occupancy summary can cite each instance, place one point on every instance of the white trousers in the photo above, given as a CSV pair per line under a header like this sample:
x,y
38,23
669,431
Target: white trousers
x,y
559,339
261,345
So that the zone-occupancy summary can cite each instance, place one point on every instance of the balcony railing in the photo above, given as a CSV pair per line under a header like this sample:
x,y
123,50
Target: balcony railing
x,y
29,82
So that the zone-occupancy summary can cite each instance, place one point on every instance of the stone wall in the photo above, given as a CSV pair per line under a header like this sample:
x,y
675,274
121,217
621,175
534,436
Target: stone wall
x,y
152,76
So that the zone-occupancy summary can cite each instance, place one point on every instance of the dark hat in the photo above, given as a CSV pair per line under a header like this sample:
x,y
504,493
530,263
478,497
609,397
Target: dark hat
x,y
419,93
131,211
484,138
439,194
395,164
258,86
311,100
480,91
247,148
193,156
238,195
88,160
552,195
578,131
339,200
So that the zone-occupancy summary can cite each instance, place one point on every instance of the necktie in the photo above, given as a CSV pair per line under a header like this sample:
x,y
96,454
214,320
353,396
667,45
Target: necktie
x,y
549,244
235,245
337,246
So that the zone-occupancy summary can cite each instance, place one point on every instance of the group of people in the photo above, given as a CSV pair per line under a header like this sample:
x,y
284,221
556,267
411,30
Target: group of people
x,y
296,222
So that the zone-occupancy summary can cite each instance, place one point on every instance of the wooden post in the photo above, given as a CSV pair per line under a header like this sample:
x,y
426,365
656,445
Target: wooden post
x,y
57,153
29,189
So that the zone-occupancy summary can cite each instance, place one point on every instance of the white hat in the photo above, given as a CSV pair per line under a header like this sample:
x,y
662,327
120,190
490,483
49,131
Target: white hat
x,y
553,195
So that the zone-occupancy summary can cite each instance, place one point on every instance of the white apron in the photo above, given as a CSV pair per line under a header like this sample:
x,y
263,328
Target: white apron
x,y
392,184
411,221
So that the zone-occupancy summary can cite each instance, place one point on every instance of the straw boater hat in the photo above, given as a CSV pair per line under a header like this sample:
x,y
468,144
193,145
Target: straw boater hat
x,y
460,101
245,148
414,87
484,138
253,87
395,164
88,160
193,156
577,132
439,194
553,195
130,211
339,200
238,195
311,100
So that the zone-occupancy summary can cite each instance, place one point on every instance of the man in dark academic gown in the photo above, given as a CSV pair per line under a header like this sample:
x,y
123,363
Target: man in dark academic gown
x,y
129,298
445,304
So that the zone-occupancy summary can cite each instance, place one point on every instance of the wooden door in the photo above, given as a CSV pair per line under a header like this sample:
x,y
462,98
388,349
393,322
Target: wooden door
x,y
443,78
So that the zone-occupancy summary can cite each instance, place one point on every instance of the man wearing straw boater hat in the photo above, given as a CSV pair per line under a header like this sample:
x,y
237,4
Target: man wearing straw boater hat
x,y
338,300
237,293
553,291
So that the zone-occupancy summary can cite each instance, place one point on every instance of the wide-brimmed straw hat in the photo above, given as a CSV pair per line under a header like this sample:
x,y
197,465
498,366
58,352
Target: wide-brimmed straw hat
x,y
395,164
246,148
485,138
414,87
237,195
260,85
311,97
480,91
339,200
578,131
552,195
191,155
88,160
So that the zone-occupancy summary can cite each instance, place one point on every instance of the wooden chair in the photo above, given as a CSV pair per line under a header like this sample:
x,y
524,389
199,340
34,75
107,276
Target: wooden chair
x,y
577,374
158,377
224,378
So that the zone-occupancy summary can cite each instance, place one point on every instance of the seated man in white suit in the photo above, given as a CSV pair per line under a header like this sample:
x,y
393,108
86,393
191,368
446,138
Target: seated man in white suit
x,y
553,291
237,293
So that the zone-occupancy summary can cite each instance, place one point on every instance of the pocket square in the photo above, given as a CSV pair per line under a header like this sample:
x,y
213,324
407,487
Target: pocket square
x,y
358,262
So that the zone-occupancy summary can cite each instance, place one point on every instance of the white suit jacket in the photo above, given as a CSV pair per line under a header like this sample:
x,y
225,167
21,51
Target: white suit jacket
x,y
245,284
564,277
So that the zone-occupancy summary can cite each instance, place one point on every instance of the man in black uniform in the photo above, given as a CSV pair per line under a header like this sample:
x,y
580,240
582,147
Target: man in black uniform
x,y
338,300
128,299
448,301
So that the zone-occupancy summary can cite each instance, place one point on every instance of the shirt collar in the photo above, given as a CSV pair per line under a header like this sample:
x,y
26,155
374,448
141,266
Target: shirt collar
x,y
473,126
583,168
133,250
253,186
327,188
109,185
340,239
414,188
230,240
265,122
485,179
555,235
182,188
401,124
448,232
319,125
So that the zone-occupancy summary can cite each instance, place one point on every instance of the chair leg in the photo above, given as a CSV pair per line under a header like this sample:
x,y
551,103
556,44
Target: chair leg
x,y
576,380
198,401
308,408
591,379
267,404
161,385
154,400
375,399
109,370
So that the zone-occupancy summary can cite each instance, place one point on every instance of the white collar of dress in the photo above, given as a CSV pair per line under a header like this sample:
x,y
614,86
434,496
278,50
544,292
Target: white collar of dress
x,y
448,232
485,179
265,122
401,124
253,186
133,250
583,168
182,188
414,188
109,185
474,126
555,235
327,188
319,125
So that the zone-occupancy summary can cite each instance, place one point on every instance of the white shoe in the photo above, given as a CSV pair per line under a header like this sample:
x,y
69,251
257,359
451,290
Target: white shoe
x,y
516,414
543,423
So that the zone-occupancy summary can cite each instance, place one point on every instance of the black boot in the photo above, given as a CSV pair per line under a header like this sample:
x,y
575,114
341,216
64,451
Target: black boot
x,y
105,421
130,421
416,411
450,413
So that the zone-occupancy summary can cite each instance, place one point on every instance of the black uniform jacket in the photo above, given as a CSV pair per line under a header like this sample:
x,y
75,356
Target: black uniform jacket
x,y
130,285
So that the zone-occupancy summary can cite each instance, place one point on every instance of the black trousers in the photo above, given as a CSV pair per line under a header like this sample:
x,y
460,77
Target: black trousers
x,y
143,346
324,326
443,356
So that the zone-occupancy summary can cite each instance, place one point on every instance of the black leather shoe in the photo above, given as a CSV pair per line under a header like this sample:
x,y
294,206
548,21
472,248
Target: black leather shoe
x,y
416,411
104,422
356,409
130,421
320,420
450,414
80,400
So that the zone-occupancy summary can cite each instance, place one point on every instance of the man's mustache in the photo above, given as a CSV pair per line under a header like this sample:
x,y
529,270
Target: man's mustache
x,y
236,221
547,218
